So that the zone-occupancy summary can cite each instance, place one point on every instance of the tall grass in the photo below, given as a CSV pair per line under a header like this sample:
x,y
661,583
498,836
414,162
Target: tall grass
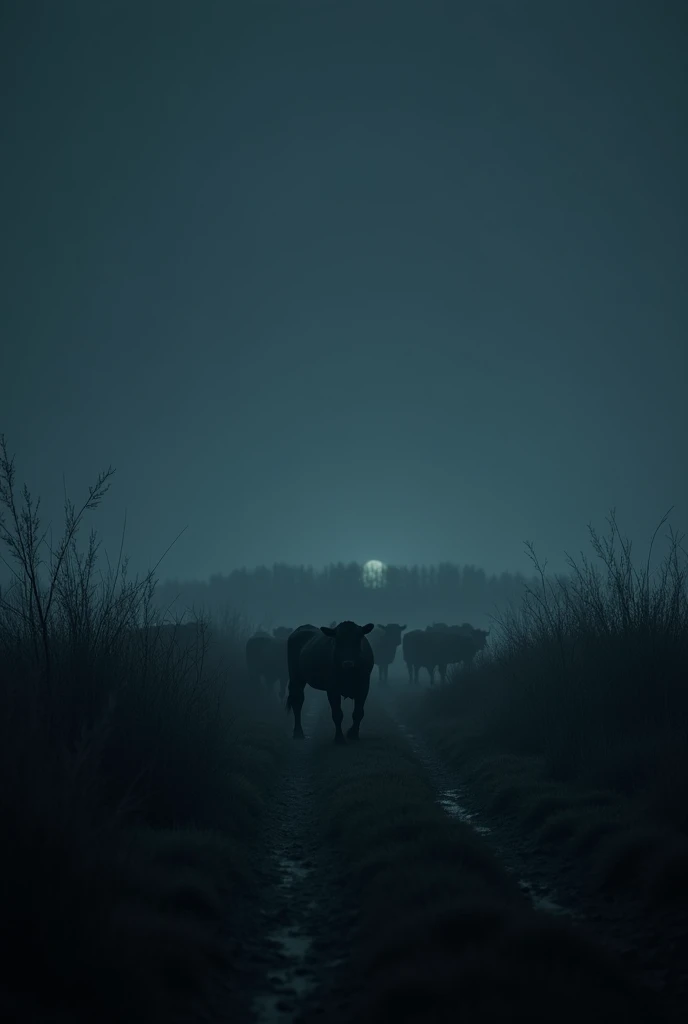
x,y
112,724
591,671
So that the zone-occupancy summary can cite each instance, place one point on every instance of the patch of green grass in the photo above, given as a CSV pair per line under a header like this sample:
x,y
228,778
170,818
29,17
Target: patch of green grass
x,y
560,826
592,833
623,857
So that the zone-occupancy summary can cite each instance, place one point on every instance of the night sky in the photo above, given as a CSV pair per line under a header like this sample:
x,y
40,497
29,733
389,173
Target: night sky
x,y
340,280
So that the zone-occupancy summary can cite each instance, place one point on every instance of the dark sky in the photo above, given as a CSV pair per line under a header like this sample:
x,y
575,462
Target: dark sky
x,y
339,280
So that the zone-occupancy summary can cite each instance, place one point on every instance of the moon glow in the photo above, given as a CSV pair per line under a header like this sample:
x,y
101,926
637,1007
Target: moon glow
x,y
374,573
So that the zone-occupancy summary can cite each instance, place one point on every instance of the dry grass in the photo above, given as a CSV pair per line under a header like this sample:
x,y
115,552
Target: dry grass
x,y
134,767
583,703
589,674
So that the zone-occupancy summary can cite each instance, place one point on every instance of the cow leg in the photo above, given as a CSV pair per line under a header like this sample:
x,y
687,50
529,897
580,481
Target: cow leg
x,y
357,716
443,673
337,714
431,673
409,669
295,700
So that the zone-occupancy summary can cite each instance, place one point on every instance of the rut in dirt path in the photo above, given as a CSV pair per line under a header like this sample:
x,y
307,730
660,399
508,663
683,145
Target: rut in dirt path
x,y
305,927
655,950
454,799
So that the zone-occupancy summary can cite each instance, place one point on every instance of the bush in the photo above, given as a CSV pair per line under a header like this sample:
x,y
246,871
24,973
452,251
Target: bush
x,y
589,673
112,724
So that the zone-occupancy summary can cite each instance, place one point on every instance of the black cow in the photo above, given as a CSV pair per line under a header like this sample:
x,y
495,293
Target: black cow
x,y
338,660
418,653
384,640
266,658
439,646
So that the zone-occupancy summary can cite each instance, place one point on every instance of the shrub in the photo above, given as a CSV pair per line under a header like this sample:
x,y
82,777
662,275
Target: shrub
x,y
589,672
112,724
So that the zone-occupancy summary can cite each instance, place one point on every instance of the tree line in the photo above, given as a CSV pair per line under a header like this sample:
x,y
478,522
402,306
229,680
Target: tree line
x,y
290,594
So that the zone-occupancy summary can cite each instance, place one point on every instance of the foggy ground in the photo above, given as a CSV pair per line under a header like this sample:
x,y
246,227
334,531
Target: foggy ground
x,y
416,270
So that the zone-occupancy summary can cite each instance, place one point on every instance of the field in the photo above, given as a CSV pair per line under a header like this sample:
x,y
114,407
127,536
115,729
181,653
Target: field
x,y
172,855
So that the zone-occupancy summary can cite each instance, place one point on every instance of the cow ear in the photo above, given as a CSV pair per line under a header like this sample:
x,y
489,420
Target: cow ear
x,y
367,628
328,631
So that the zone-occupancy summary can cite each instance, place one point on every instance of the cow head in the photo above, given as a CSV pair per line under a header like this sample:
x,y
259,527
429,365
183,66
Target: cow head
x,y
392,632
347,638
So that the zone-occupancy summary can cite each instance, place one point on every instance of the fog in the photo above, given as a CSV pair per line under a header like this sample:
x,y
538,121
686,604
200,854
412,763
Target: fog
x,y
346,281
343,573
283,593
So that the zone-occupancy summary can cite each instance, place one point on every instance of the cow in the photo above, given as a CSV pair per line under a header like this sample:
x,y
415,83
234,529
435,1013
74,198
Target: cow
x,y
439,646
475,642
477,638
266,658
384,640
418,652
338,660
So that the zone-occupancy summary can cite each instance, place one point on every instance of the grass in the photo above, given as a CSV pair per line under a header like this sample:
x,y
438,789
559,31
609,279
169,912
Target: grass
x,y
445,933
134,770
581,703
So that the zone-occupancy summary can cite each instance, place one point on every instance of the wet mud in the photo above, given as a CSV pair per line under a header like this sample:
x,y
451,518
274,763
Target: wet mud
x,y
292,952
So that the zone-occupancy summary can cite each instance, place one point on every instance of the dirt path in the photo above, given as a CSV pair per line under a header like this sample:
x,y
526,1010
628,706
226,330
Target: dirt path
x,y
653,946
289,957
291,964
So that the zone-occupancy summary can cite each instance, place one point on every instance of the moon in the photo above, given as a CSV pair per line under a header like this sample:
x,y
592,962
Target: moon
x,y
374,573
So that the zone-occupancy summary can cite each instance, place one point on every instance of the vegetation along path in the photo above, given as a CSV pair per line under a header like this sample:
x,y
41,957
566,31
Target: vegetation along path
x,y
649,936
380,900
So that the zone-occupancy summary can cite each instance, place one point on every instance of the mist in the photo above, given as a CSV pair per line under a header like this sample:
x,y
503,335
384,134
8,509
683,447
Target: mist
x,y
344,282
343,574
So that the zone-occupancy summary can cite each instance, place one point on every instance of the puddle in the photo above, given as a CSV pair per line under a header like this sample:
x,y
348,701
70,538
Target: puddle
x,y
449,800
296,984
292,945
293,979
291,871
541,900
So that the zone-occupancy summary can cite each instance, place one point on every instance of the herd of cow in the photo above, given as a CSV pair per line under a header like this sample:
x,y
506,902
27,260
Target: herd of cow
x,y
339,659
